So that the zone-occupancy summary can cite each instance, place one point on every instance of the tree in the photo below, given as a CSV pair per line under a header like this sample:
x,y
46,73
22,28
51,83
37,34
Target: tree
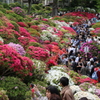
x,y
30,2
55,8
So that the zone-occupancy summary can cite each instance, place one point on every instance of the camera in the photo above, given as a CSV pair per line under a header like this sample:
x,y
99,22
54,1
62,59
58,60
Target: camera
x,y
31,85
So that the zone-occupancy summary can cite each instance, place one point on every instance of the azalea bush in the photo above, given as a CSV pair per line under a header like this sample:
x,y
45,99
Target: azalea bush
x,y
94,49
78,79
33,32
22,24
86,86
3,95
40,68
95,32
13,62
82,14
55,74
47,35
88,95
96,25
25,41
9,35
15,88
18,48
37,53
19,11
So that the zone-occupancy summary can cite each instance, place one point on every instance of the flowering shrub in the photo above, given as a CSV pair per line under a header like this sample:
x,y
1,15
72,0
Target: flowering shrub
x,y
9,35
50,63
18,48
3,95
55,74
10,26
86,86
88,95
96,25
75,88
96,32
47,35
97,92
11,60
25,41
24,32
38,53
22,24
16,89
79,80
40,67
19,11
43,26
81,14
69,29
35,27
1,39
33,32
93,49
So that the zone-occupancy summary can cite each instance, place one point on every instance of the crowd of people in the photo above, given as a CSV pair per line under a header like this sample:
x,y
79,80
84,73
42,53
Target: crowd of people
x,y
73,59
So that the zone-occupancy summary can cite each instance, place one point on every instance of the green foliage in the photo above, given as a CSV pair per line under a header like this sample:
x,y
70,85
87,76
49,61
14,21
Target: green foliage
x,y
35,22
16,4
3,10
40,69
1,6
35,44
96,25
6,6
16,89
15,16
15,25
98,6
3,95
41,86
49,22
33,32
1,14
11,17
19,11
28,95
27,18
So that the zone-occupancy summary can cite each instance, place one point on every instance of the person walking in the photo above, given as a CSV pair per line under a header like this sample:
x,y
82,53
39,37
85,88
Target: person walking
x,y
66,92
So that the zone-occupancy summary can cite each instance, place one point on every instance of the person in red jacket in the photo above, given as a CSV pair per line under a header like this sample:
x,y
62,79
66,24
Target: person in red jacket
x,y
98,74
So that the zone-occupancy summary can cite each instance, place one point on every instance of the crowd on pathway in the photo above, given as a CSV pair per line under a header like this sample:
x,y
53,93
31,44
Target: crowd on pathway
x,y
73,59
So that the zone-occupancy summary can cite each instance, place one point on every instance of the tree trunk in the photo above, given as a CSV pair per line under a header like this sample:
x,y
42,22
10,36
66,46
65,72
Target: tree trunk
x,y
29,6
55,8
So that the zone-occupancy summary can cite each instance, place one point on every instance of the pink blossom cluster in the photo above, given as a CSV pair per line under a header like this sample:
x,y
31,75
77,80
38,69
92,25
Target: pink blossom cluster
x,y
35,27
10,26
19,11
18,48
16,62
24,32
69,29
38,53
22,24
93,49
25,40
81,14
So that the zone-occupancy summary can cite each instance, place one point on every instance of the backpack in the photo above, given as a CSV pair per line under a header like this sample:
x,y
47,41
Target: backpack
x,y
94,75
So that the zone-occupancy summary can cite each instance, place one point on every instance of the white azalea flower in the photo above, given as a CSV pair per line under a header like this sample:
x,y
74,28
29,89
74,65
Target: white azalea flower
x,y
88,95
75,88
91,29
54,76
1,39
